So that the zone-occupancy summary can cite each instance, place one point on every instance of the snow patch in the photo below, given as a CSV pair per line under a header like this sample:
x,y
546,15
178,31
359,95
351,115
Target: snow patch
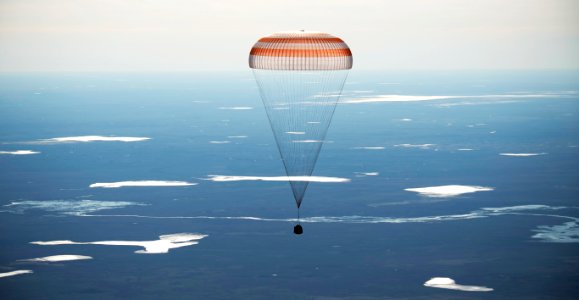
x,y
522,154
160,246
14,273
444,191
448,283
57,258
141,183
225,178
19,152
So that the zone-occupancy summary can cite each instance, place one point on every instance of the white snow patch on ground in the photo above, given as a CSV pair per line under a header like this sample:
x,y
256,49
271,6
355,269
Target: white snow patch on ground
x,y
444,191
236,107
307,141
370,148
416,98
14,273
364,174
160,246
522,154
57,258
448,283
19,152
67,207
88,139
225,178
420,146
140,183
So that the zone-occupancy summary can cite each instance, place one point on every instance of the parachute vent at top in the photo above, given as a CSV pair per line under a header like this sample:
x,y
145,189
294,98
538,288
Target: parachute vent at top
x,y
300,51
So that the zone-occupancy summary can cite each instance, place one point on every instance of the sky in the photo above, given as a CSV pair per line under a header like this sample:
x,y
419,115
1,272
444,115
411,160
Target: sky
x,y
209,35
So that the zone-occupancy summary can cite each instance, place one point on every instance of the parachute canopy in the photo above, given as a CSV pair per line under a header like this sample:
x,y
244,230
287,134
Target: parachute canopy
x,y
300,75
300,51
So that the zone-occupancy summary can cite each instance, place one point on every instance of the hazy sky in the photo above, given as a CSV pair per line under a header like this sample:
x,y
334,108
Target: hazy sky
x,y
188,35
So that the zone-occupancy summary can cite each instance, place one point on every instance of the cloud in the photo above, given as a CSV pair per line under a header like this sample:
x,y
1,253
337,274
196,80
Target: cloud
x,y
14,273
236,107
465,149
522,154
237,137
225,178
444,191
160,246
67,207
447,283
370,148
57,258
295,132
417,98
420,146
140,183
219,142
19,152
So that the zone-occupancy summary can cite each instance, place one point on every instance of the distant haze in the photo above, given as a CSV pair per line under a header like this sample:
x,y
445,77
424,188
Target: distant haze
x,y
182,35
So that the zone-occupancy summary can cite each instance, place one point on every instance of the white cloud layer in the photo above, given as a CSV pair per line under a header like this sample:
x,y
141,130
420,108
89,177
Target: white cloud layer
x,y
448,283
219,142
445,191
522,154
57,258
87,139
162,245
140,183
19,152
67,207
224,178
14,273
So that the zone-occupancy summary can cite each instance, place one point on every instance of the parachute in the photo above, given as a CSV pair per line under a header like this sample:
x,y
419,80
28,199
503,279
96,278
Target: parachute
x,y
300,75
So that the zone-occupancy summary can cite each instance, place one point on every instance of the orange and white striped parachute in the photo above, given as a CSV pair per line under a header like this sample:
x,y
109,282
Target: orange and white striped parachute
x,y
300,50
300,75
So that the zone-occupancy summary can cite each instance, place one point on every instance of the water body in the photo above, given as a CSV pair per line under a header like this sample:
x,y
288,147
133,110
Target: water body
x,y
491,226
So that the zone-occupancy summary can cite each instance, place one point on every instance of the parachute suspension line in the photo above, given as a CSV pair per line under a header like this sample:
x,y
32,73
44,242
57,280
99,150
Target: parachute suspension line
x,y
299,216
300,76
299,105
